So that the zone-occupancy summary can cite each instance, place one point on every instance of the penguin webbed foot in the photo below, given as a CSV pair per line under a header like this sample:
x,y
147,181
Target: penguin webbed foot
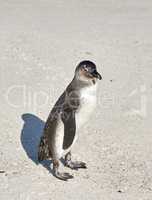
x,y
76,165
63,176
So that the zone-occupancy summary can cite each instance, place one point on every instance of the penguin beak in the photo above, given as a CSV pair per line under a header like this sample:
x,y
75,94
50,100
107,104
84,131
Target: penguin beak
x,y
96,75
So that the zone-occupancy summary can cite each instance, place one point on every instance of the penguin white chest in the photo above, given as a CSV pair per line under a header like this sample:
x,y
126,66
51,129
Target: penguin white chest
x,y
87,105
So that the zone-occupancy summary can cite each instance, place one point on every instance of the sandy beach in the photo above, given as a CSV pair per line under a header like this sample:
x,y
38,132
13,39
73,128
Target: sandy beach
x,y
41,42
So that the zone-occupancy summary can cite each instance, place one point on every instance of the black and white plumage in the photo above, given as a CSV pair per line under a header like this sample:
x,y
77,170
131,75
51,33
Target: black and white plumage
x,y
70,112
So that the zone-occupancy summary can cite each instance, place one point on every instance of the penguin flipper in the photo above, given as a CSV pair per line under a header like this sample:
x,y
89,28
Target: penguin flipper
x,y
69,129
43,151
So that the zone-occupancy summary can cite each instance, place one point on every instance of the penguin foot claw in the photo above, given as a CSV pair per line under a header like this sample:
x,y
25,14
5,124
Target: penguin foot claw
x,y
76,165
63,176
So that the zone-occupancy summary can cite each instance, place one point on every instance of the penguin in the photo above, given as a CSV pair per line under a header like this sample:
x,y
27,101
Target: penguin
x,y
71,111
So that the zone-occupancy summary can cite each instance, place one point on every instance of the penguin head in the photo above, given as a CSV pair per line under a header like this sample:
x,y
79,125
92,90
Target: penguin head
x,y
86,71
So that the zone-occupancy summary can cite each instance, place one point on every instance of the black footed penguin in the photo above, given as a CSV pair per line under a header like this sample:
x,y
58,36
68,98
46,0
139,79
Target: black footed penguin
x,y
71,111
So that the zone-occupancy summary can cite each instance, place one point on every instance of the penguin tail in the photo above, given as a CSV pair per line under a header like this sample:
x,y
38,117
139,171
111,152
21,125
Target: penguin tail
x,y
43,149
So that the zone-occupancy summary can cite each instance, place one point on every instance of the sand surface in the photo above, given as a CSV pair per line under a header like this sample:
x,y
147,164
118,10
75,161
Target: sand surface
x,y
40,44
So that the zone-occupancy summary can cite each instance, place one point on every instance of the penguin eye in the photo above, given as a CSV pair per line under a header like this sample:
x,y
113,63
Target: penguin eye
x,y
85,68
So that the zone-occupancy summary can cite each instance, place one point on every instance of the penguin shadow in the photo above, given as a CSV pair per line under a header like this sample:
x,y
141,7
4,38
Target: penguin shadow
x,y
30,138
